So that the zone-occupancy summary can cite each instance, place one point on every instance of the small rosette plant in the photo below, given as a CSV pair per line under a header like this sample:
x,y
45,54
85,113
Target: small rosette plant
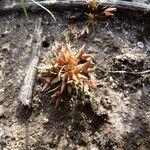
x,y
68,71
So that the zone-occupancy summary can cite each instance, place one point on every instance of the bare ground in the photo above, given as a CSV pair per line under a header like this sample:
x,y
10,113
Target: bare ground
x,y
118,119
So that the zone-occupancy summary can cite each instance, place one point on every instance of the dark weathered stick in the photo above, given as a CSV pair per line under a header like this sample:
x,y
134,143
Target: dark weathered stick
x,y
123,71
28,84
71,4
127,72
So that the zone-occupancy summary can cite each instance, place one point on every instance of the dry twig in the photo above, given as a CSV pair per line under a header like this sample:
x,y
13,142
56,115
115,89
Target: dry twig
x,y
127,72
28,84
123,71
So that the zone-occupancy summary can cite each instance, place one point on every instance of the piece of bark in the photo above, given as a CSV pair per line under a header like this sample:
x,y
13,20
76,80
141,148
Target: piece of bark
x,y
78,4
31,71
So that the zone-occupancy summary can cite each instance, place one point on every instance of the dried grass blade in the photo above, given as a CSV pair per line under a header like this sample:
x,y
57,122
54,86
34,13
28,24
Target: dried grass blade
x,y
44,8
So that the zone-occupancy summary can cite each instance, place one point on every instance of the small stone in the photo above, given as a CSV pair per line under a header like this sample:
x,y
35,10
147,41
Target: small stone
x,y
110,34
113,84
45,120
140,45
111,79
97,40
9,82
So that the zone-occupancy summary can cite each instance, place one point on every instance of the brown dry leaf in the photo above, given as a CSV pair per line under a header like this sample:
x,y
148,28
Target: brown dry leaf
x,y
57,47
109,11
85,31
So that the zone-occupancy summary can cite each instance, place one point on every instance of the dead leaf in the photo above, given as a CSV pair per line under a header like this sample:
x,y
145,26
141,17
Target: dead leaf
x,y
85,31
109,11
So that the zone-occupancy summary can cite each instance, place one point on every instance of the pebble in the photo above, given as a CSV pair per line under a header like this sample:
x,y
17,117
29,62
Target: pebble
x,y
97,40
45,120
140,45
110,34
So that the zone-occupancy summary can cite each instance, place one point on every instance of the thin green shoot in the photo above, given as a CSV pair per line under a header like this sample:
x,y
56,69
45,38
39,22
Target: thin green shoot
x,y
24,8
44,8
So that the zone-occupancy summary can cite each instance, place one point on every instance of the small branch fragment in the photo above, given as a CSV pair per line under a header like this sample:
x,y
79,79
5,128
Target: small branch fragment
x,y
127,72
28,84
123,71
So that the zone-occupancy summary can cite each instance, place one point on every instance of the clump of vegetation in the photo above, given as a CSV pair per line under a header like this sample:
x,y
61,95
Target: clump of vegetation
x,y
94,14
69,72
93,5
